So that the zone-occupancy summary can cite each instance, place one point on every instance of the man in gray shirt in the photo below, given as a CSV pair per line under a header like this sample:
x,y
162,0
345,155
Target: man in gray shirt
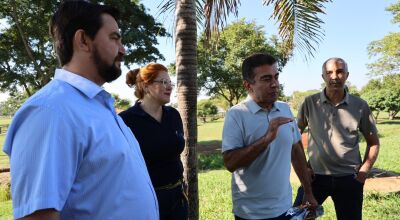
x,y
334,119
260,139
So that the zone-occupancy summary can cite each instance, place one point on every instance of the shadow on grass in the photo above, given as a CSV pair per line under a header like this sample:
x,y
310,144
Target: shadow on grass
x,y
389,122
209,155
209,147
376,172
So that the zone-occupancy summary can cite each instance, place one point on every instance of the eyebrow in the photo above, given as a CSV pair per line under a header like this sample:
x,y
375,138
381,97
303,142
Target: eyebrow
x,y
117,34
266,75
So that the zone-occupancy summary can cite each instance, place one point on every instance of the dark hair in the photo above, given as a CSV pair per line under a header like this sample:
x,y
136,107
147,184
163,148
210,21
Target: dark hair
x,y
253,61
139,77
72,16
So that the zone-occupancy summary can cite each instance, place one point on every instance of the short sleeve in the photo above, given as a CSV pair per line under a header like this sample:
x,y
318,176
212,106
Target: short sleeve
x,y
296,133
44,159
302,119
232,134
367,123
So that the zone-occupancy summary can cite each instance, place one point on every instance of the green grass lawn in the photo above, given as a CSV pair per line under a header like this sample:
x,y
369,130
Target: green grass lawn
x,y
4,162
210,131
5,121
216,203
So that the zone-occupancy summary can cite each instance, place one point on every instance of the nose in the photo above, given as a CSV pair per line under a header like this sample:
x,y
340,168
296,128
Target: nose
x,y
274,83
121,49
334,75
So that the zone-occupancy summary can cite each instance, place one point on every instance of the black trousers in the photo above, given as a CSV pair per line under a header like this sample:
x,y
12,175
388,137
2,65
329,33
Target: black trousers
x,y
172,204
345,191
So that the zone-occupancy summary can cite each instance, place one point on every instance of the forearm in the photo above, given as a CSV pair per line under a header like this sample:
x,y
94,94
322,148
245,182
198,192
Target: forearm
x,y
243,157
300,166
49,214
371,153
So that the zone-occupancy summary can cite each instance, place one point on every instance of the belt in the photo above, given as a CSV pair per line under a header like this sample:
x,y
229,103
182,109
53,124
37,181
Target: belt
x,y
169,186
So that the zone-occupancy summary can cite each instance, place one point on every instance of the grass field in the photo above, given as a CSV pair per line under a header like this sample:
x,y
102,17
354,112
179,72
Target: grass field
x,y
214,180
5,121
3,157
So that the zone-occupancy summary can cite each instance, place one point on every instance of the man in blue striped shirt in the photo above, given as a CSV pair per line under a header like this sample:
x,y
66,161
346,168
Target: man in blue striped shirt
x,y
71,155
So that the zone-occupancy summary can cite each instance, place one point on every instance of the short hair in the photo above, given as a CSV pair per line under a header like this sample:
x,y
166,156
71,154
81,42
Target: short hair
x,y
139,77
336,59
253,61
72,16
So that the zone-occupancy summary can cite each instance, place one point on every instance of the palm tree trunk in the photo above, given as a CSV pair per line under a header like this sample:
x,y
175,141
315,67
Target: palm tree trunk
x,y
186,66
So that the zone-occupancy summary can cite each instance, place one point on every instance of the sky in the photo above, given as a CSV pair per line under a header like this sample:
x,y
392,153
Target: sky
x,y
350,25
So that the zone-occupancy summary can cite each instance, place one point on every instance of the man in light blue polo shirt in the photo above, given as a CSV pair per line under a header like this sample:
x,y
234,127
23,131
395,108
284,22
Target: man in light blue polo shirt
x,y
71,155
259,142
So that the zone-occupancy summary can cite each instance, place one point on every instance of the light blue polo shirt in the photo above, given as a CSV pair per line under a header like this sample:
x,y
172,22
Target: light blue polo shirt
x,y
70,151
261,190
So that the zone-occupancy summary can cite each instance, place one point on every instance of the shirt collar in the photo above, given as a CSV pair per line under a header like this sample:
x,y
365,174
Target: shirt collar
x,y
325,99
254,107
87,87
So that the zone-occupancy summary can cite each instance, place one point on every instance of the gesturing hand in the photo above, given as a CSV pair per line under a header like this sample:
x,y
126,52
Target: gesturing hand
x,y
272,131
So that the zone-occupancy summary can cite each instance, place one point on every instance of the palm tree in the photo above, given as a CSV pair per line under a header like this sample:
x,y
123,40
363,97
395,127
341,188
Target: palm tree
x,y
186,71
299,27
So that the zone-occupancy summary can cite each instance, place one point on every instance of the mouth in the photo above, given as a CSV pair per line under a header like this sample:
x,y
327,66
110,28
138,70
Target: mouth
x,y
275,93
335,84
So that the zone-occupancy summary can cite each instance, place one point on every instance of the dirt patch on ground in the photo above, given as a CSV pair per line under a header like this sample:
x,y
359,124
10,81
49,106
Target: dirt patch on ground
x,y
4,178
378,180
209,147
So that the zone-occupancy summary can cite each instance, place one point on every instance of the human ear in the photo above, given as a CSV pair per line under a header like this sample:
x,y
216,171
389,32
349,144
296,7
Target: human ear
x,y
247,86
81,40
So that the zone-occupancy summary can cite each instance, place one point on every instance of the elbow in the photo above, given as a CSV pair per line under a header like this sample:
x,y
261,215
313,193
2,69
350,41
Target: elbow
x,y
229,167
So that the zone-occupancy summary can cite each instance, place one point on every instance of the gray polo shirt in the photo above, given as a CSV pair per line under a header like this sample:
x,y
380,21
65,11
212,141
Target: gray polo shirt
x,y
333,132
261,190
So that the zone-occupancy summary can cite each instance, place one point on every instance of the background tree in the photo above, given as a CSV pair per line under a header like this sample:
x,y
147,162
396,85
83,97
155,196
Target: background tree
x,y
371,93
383,95
298,98
12,104
120,103
391,92
206,108
387,49
219,66
352,89
27,60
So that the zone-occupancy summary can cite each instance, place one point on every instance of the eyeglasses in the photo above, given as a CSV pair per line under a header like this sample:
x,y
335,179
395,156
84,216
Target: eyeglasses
x,y
165,83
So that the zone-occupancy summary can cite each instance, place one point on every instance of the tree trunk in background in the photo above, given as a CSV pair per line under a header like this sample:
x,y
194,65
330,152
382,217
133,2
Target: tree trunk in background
x,y
186,67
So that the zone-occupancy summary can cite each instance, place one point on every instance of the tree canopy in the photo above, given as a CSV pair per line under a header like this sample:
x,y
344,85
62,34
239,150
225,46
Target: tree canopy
x,y
219,66
27,60
387,49
383,95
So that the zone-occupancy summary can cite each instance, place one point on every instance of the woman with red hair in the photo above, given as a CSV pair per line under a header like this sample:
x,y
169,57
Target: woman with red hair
x,y
159,131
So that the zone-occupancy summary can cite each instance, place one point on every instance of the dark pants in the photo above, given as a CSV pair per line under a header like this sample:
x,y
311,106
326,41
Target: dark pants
x,y
281,217
346,193
172,204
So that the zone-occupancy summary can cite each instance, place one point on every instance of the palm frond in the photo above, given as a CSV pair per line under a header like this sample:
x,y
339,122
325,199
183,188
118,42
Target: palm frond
x,y
167,7
216,12
299,24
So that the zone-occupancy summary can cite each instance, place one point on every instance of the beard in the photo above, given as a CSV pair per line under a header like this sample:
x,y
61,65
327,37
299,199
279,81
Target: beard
x,y
107,72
